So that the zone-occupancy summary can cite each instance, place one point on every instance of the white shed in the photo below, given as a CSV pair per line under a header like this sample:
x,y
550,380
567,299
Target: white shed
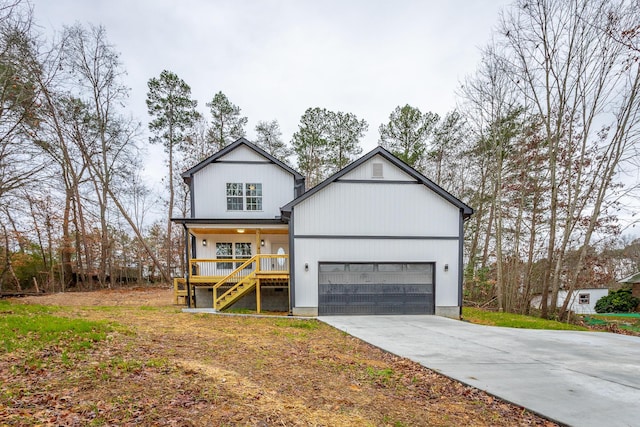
x,y
581,301
376,238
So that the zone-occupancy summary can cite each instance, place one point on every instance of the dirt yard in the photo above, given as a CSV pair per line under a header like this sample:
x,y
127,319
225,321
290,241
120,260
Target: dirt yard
x,y
160,366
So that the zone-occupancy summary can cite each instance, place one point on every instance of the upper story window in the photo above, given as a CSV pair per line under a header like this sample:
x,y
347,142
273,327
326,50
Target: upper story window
x,y
235,199
244,196
254,197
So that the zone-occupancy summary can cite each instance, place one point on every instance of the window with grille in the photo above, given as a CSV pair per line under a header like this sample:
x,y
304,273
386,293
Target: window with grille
x,y
224,251
244,196
232,251
243,251
234,196
584,298
254,196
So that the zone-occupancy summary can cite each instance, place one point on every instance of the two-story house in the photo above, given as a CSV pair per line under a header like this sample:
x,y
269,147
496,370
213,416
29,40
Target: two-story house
x,y
375,238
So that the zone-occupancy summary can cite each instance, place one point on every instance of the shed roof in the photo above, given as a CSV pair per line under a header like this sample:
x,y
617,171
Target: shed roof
x,y
634,278
186,176
466,210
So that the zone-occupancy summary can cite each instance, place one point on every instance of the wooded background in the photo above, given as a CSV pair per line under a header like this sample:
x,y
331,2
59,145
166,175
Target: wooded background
x,y
543,145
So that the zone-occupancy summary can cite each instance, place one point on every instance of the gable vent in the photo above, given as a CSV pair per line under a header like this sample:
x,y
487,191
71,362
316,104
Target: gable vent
x,y
376,170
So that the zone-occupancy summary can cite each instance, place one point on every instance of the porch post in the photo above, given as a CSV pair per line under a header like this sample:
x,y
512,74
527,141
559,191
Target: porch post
x,y
258,262
258,303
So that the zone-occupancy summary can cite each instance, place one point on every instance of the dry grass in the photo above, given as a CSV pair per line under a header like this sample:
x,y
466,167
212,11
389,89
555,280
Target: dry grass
x,y
162,367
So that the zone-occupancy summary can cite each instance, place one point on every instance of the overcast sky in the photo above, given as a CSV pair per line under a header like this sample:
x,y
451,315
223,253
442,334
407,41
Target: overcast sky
x,y
274,59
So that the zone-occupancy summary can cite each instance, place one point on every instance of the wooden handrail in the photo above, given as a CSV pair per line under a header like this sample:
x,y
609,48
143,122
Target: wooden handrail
x,y
177,292
239,272
236,271
233,288
243,280
230,275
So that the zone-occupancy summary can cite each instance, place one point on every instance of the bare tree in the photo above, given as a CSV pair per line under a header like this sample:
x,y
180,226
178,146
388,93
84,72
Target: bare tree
x,y
578,79
18,95
559,181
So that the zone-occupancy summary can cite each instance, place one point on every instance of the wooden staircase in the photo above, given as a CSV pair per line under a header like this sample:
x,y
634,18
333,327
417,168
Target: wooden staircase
x,y
258,272
242,283
235,293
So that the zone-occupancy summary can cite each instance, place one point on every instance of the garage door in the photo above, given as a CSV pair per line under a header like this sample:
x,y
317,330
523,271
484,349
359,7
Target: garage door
x,y
375,288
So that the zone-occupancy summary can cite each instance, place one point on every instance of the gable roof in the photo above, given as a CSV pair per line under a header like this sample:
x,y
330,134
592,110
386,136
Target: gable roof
x,y
186,176
466,210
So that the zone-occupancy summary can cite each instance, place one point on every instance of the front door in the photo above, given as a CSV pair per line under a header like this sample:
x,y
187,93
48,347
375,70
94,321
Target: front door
x,y
282,263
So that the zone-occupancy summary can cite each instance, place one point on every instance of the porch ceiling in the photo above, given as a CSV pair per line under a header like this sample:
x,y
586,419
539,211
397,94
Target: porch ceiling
x,y
234,230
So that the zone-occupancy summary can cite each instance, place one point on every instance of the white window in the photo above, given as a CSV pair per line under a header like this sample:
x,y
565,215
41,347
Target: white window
x,y
243,251
226,250
584,298
244,196
254,197
234,196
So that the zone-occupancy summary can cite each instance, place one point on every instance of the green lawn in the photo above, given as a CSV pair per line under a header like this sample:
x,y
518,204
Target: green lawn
x,y
614,315
32,327
510,320
627,321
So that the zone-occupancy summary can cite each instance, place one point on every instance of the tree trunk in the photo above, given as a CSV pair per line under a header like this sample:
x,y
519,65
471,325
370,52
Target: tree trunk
x,y
169,242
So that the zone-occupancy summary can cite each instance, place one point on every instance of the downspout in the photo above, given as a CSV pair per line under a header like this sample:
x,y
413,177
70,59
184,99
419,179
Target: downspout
x,y
292,269
192,199
299,189
187,243
460,261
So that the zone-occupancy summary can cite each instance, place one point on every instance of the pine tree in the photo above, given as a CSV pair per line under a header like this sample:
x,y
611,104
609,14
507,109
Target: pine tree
x,y
407,133
269,138
227,124
174,112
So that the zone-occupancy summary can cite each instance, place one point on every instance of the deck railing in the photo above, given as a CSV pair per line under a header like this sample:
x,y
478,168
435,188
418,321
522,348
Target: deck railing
x,y
218,268
234,273
245,277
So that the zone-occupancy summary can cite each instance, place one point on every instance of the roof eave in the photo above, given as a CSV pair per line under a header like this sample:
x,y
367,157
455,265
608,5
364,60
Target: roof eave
x,y
226,221
186,176
467,211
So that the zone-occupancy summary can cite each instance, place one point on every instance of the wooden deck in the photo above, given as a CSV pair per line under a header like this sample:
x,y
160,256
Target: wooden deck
x,y
257,272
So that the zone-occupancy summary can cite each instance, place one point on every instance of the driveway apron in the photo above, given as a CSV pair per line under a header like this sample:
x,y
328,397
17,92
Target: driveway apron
x,y
574,378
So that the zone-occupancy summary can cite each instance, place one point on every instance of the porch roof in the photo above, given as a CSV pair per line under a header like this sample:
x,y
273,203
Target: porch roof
x,y
229,222
233,226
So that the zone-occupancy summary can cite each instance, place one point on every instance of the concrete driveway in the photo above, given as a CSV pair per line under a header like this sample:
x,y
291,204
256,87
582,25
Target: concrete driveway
x,y
575,378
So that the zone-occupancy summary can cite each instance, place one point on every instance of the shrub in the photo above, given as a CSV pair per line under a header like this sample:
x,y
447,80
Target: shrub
x,y
620,301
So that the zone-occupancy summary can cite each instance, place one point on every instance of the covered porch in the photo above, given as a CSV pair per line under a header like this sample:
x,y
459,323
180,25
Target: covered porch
x,y
235,266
